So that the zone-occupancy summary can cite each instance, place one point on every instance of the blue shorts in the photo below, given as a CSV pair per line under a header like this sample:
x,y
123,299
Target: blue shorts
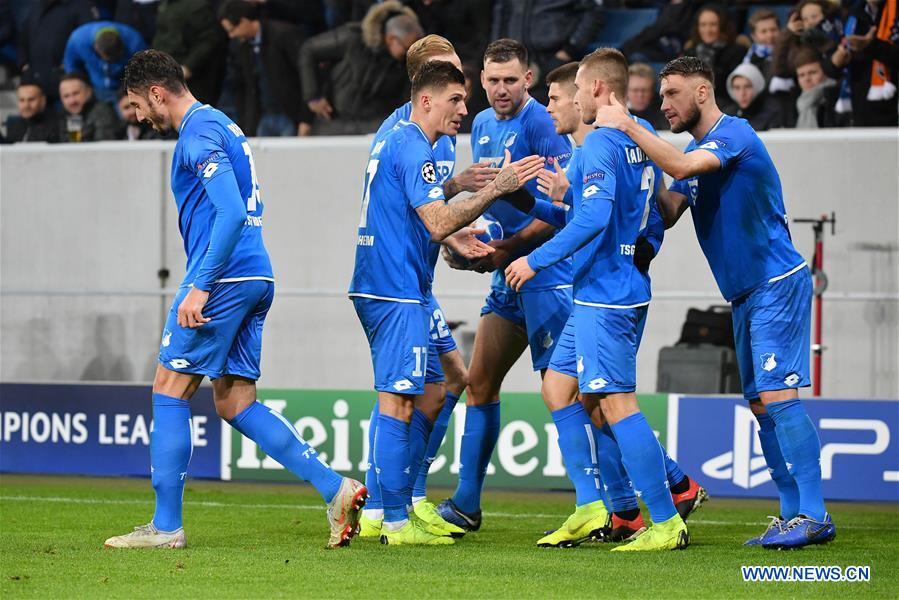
x,y
772,334
543,315
599,347
397,334
230,343
441,341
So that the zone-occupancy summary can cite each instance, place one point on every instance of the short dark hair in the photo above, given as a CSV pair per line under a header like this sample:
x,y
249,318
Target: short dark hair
x,y
505,49
153,67
76,75
436,74
564,74
762,14
804,56
235,10
28,79
611,65
687,66
108,44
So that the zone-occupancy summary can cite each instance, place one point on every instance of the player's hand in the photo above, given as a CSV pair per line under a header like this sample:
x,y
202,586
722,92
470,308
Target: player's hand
x,y
643,254
794,23
513,175
465,244
498,259
840,57
453,260
613,115
322,108
519,273
554,184
304,129
190,311
475,177
857,43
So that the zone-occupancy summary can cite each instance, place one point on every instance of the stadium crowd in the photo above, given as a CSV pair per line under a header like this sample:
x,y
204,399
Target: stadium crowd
x,y
320,67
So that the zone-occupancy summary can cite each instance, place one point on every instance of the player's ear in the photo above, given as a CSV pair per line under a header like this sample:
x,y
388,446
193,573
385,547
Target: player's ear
x,y
528,79
483,80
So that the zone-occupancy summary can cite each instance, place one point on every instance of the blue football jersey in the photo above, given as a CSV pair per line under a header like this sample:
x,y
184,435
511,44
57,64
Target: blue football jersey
x,y
529,132
393,245
738,211
444,156
609,168
210,146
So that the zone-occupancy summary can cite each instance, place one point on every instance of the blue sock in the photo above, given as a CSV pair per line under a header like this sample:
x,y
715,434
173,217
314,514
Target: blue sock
x,y
277,438
392,458
642,457
371,475
419,432
170,447
437,434
801,448
672,469
614,477
777,466
478,442
579,452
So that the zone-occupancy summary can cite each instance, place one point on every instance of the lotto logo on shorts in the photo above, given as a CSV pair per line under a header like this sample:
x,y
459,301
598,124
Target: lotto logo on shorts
x,y
402,385
598,384
792,379
179,363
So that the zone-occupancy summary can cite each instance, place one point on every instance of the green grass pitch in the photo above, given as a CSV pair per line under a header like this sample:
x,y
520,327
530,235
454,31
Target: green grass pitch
x,y
267,541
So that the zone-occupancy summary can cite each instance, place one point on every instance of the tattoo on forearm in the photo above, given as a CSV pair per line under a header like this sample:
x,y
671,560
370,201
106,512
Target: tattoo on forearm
x,y
451,188
444,219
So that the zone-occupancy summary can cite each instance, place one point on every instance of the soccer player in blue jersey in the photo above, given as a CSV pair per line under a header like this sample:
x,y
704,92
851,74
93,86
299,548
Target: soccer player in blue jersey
x,y
613,192
731,186
560,388
403,212
447,375
215,324
510,322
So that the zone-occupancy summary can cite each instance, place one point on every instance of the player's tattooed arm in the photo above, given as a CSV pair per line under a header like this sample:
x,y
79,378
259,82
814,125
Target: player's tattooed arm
x,y
443,219
668,157
472,179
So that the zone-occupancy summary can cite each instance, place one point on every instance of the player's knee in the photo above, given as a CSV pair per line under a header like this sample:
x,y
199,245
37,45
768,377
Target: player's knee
x,y
456,381
174,384
482,392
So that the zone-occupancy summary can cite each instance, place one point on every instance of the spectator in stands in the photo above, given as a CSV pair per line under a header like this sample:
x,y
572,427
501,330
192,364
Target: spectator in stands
x,y
86,119
367,79
466,22
35,122
867,64
139,14
816,104
712,40
100,49
663,40
554,31
642,99
190,33
265,56
42,40
814,24
746,87
763,29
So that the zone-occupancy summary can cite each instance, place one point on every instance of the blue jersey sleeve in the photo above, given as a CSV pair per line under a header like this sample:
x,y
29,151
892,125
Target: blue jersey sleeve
x,y
207,159
554,214
418,175
593,210
680,186
545,142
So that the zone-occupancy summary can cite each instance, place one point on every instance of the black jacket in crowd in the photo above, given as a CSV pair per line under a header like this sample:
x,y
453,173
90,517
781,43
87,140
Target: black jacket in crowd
x,y
364,84
280,54
465,22
42,127
43,38
190,32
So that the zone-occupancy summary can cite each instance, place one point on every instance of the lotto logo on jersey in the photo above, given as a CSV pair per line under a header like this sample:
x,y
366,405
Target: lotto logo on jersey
x,y
429,173
591,191
209,166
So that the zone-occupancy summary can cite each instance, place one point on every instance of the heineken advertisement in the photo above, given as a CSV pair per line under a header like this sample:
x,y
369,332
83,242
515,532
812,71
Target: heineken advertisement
x,y
336,424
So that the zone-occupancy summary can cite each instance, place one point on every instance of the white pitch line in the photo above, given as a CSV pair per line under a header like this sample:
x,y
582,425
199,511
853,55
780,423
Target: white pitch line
x,y
315,507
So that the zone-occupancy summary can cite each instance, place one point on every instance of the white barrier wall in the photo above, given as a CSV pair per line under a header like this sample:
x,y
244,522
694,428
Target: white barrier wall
x,y
85,230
